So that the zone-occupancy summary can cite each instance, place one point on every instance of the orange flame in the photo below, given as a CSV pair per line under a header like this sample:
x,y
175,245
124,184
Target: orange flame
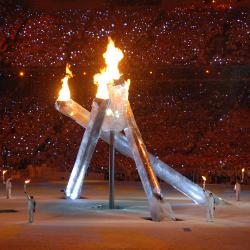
x,y
111,72
4,171
27,181
243,170
64,94
203,178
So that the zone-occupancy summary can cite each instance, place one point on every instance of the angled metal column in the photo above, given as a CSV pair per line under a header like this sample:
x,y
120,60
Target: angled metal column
x,y
145,170
161,169
141,156
88,144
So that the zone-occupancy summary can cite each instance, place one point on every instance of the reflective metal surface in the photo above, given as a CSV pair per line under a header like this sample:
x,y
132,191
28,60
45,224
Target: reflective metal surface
x,y
161,169
87,147
144,168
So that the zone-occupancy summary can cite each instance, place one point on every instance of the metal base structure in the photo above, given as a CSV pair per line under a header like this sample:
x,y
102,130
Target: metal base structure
x,y
161,169
87,147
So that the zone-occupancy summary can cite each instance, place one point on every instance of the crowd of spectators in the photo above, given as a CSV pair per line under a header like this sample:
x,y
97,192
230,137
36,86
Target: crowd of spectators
x,y
147,35
191,114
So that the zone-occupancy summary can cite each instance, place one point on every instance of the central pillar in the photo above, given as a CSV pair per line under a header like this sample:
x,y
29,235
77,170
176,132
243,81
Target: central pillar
x,y
112,170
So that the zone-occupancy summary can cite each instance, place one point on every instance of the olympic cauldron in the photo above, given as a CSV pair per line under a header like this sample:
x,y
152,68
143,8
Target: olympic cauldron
x,y
110,114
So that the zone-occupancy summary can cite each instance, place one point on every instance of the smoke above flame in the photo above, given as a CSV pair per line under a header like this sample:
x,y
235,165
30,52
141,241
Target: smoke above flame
x,y
64,94
111,72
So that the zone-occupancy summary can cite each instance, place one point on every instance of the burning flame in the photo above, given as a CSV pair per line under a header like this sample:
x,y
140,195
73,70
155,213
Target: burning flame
x,y
21,73
64,94
203,178
4,171
27,181
243,170
111,72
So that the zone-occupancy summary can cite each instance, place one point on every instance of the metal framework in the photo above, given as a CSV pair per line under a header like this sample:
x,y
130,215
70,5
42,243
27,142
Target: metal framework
x,y
130,145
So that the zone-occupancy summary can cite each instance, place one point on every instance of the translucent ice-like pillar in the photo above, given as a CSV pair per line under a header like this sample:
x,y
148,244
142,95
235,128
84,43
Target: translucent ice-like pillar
x,y
161,169
88,144
141,158
144,168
